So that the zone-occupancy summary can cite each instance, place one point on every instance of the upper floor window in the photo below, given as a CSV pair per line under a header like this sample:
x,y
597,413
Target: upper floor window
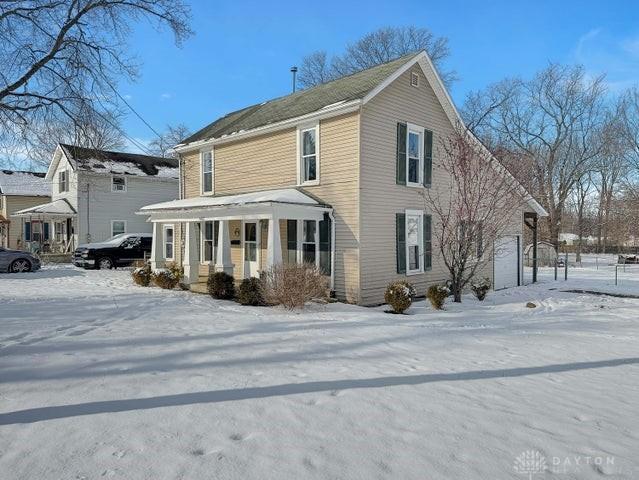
x,y
118,184
414,165
206,159
63,181
309,155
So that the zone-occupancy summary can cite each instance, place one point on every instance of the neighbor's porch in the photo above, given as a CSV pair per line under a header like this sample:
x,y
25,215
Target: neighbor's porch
x,y
48,228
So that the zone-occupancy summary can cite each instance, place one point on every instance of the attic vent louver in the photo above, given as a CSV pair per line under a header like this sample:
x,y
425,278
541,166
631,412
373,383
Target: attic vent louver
x,y
414,79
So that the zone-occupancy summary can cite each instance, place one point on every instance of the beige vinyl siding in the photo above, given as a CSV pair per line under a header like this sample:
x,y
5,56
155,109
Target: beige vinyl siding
x,y
270,161
381,198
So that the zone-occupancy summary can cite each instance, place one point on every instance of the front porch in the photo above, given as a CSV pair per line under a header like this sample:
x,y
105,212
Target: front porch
x,y
242,235
48,228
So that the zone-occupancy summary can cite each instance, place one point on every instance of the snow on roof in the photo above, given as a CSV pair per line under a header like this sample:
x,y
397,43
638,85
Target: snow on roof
x,y
32,184
104,161
286,195
57,207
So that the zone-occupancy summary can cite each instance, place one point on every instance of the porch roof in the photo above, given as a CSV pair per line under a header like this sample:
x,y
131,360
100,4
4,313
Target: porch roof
x,y
57,208
261,204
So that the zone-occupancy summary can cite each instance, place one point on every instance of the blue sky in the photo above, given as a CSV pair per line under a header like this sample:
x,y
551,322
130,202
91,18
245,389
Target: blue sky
x,y
242,51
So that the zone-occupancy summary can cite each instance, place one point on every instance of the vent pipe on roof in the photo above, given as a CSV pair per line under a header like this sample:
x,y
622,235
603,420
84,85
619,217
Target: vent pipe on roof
x,y
294,72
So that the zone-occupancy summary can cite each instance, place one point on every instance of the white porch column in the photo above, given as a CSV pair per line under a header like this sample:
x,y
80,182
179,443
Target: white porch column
x,y
156,247
190,261
223,261
274,244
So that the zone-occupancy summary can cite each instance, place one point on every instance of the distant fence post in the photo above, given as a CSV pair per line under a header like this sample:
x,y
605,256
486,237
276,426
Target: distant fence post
x,y
556,261
566,267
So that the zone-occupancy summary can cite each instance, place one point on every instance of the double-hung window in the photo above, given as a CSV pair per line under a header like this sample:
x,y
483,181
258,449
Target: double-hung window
x,y
168,242
207,171
309,155
118,184
209,241
414,241
415,157
118,227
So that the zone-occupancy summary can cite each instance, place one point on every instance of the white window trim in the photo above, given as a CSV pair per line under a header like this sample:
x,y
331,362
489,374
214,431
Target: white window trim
x,y
165,227
113,221
258,245
126,184
420,241
411,128
66,181
212,191
300,161
202,240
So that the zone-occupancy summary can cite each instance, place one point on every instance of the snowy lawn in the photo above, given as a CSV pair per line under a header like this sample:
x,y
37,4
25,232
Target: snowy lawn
x,y
103,379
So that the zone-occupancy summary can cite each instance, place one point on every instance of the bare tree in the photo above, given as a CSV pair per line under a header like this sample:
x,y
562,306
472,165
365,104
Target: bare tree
x,y
59,59
163,145
582,191
478,207
630,121
555,121
372,49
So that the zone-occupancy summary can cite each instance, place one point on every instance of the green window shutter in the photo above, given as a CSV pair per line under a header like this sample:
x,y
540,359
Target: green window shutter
x,y
428,158
291,241
428,242
401,154
325,245
400,241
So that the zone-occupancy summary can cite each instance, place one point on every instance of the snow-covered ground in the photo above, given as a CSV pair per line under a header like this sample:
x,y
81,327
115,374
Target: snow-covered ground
x,y
103,379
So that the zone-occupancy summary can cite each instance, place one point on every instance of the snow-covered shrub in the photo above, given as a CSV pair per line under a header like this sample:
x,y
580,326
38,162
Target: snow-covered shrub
x,y
437,294
251,292
292,285
221,285
165,278
399,295
176,269
142,275
480,288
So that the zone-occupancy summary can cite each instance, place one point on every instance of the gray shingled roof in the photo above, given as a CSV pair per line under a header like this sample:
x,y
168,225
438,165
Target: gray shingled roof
x,y
345,89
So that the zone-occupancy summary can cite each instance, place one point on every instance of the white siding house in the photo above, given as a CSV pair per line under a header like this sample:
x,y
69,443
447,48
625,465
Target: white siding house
x,y
96,193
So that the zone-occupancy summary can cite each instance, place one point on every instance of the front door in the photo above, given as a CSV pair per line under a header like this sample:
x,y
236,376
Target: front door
x,y
251,245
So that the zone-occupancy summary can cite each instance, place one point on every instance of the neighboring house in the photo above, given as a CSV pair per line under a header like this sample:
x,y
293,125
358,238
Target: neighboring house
x,y
20,190
340,170
546,254
95,194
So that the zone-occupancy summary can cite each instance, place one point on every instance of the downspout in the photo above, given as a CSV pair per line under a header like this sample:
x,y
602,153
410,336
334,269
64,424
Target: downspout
x,y
88,216
332,281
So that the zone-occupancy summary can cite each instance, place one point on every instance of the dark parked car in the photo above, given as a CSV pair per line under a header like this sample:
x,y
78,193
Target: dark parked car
x,y
15,261
119,251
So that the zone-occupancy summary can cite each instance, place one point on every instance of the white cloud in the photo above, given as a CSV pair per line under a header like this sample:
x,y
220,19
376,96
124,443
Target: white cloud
x,y
127,96
166,96
602,52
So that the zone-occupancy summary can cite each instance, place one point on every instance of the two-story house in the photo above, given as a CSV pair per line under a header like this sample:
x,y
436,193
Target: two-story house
x,y
334,175
95,194
20,190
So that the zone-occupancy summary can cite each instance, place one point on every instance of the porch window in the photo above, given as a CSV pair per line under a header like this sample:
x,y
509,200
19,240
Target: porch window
x,y
309,155
58,231
414,241
325,245
118,184
209,241
27,231
118,227
309,241
207,171
63,181
168,242
415,145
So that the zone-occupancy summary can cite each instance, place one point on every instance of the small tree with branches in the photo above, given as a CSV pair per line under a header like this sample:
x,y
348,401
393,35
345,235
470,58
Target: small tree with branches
x,y
477,207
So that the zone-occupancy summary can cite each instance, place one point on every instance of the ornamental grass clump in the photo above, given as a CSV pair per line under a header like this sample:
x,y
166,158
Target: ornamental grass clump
x,y
399,295
165,278
437,294
293,285
221,286
142,275
480,288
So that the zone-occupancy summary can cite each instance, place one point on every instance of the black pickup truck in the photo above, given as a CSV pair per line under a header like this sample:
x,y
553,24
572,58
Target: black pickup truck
x,y
119,251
